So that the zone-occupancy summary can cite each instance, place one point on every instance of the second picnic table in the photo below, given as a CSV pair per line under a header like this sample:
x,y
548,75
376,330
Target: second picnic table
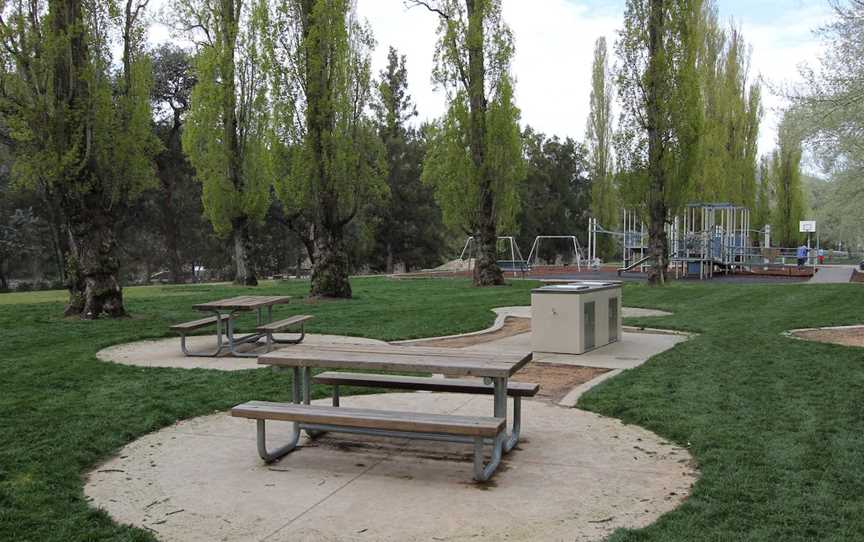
x,y
494,367
224,310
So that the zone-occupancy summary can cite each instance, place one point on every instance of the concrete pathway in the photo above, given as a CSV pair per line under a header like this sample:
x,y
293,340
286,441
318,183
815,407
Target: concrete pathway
x,y
576,476
166,352
832,274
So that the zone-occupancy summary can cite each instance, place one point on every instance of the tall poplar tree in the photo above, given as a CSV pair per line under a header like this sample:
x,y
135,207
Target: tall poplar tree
x,y
762,208
328,159
228,119
786,181
475,158
732,112
79,128
599,139
662,112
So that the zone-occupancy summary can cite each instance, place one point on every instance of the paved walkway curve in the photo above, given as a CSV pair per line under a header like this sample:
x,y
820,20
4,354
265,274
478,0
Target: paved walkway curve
x,y
833,274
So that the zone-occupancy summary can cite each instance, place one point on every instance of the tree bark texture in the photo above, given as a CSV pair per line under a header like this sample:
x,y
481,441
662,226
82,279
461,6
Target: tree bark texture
x,y
657,208
245,269
486,270
94,268
331,269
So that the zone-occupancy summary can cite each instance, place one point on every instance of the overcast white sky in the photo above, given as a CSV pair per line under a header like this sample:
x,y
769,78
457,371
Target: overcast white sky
x,y
554,46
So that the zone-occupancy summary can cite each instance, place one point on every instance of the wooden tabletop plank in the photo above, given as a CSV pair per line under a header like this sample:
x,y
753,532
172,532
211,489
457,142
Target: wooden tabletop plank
x,y
244,302
447,361
410,350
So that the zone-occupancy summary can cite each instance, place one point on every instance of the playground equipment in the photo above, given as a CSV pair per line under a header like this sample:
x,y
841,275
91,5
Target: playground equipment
x,y
533,254
704,238
633,240
707,237
516,264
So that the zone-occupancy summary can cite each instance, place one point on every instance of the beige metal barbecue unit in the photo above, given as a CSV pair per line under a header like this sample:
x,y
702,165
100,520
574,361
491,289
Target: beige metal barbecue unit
x,y
575,318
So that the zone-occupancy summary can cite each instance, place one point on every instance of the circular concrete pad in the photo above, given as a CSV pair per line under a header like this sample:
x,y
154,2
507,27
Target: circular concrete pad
x,y
575,476
167,352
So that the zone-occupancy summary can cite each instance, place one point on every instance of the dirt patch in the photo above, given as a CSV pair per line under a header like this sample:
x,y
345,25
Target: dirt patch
x,y
857,276
852,336
555,379
512,326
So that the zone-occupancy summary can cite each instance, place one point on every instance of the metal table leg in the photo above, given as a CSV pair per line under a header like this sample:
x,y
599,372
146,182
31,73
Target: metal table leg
x,y
483,472
233,342
304,375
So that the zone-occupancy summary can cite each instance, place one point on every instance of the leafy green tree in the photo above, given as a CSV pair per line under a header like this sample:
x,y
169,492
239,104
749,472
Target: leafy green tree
x,y
228,121
80,128
786,181
556,193
831,99
662,112
762,210
732,113
604,200
408,228
475,157
830,104
166,229
327,155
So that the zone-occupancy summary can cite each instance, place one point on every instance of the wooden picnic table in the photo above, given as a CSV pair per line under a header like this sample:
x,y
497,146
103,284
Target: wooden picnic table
x,y
495,366
244,303
225,309
393,358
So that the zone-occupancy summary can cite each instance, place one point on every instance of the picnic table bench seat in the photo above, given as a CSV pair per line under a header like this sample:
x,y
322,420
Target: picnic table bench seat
x,y
516,390
187,327
274,327
197,324
476,429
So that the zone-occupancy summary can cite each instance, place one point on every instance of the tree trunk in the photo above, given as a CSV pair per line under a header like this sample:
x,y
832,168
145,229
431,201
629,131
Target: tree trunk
x,y
486,270
245,270
657,243
657,209
330,270
94,288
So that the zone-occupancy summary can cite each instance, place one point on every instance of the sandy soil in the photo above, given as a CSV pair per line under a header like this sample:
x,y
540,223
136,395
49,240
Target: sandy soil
x,y
512,326
853,336
556,380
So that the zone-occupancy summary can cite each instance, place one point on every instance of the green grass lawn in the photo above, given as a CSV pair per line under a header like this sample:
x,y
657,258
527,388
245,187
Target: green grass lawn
x,y
776,425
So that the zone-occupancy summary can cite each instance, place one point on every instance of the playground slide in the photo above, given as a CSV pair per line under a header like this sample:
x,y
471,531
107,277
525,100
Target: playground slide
x,y
635,264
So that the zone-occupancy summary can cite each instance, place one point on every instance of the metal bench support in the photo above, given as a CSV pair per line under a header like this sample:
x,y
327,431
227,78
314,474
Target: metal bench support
x,y
278,453
271,339
201,353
